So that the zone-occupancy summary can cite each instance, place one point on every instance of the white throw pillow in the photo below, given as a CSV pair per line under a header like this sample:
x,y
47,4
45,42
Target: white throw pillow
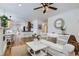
x,y
62,39
68,48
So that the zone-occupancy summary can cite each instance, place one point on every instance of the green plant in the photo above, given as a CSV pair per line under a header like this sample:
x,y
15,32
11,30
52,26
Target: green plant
x,y
63,29
4,22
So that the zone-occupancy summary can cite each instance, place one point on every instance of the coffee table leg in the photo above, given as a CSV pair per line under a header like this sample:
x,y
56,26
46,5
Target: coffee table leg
x,y
46,50
34,53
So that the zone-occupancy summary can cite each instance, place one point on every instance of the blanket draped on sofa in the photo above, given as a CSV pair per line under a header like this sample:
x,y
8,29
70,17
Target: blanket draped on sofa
x,y
72,40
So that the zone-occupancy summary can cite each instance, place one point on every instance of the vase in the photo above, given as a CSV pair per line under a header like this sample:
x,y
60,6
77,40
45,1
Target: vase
x,y
35,39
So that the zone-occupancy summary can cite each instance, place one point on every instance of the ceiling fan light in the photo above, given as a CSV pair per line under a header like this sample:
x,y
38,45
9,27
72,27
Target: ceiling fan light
x,y
19,5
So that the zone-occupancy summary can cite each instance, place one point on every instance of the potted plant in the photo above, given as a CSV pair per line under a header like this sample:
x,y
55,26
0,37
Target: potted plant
x,y
4,23
63,30
36,37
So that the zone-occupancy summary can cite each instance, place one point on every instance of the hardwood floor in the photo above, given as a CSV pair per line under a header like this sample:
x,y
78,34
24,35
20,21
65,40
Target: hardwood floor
x,y
17,43
8,51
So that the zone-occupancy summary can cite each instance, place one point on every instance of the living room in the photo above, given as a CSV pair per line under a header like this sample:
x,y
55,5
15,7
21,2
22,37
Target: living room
x,y
39,29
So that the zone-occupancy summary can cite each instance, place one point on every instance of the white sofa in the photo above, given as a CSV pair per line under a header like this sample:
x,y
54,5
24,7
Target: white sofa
x,y
58,49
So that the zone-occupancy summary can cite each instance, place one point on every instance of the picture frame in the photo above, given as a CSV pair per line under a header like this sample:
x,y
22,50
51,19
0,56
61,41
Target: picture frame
x,y
59,23
40,26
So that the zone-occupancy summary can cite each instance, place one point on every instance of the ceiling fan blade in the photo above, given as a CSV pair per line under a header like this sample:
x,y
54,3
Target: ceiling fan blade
x,y
50,3
52,7
44,11
43,4
38,8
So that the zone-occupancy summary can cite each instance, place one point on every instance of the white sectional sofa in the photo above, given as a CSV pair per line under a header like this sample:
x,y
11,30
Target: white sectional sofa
x,y
59,50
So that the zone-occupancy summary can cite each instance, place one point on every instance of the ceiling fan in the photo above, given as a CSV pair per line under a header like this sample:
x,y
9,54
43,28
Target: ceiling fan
x,y
45,6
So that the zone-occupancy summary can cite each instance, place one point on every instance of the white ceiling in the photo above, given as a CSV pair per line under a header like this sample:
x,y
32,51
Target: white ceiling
x,y
26,10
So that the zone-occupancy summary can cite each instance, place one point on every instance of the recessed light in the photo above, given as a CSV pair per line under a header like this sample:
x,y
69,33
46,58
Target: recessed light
x,y
19,5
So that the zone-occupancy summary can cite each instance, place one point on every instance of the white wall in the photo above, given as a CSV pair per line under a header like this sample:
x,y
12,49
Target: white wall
x,y
35,25
71,19
15,17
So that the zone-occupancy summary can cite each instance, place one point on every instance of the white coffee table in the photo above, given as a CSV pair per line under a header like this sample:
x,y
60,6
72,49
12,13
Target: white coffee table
x,y
36,46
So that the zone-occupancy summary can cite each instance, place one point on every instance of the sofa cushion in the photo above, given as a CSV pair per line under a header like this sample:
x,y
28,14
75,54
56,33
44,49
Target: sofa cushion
x,y
51,39
55,52
68,48
62,39
53,45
